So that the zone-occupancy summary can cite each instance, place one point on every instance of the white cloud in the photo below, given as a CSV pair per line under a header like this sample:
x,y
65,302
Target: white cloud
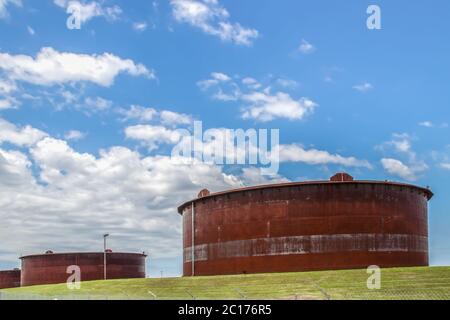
x,y
445,166
398,168
6,104
4,6
267,107
74,135
14,169
260,103
139,113
152,136
364,87
7,87
219,76
174,118
222,96
51,67
140,26
31,30
249,81
89,10
306,47
252,176
401,144
78,196
22,137
210,17
287,83
216,78
427,124
165,117
297,153
97,104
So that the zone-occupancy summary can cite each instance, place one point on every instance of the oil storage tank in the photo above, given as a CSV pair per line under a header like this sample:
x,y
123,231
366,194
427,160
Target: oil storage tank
x,y
9,279
303,226
53,268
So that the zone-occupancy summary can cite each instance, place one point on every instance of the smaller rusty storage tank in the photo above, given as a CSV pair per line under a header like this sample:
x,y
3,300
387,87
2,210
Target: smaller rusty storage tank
x,y
340,223
10,279
51,268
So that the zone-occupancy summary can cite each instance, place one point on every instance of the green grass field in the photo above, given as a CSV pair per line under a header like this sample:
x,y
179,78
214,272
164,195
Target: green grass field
x,y
401,283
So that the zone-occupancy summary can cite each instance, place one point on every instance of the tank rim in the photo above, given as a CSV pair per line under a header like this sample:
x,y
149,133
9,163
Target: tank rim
x,y
427,191
81,253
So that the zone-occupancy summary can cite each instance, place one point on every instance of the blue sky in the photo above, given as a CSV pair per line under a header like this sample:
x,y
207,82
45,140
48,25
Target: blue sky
x,y
85,149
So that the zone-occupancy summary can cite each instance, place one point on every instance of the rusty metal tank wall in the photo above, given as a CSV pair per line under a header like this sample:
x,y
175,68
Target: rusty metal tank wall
x,y
52,268
9,279
306,226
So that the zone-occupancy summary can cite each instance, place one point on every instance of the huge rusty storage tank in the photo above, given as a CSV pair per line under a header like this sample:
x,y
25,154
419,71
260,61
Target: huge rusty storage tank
x,y
10,279
323,225
52,268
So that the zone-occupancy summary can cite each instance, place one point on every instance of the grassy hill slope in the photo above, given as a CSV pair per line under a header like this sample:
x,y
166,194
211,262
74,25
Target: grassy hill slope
x,y
398,283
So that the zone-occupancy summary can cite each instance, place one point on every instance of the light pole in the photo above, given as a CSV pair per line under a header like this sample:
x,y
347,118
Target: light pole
x,y
104,254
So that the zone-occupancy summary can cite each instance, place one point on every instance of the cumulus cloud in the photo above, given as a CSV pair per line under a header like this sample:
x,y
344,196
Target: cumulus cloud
x,y
152,136
31,31
20,136
51,67
14,169
165,117
251,83
53,197
7,87
297,153
306,47
287,83
429,124
259,103
74,135
398,168
411,167
401,143
216,78
97,104
140,26
445,166
89,10
174,118
4,6
140,113
267,107
210,17
8,103
253,177
364,87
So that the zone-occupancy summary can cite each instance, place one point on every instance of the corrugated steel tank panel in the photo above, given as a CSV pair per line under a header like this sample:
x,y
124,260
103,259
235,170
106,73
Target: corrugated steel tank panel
x,y
52,268
9,279
307,226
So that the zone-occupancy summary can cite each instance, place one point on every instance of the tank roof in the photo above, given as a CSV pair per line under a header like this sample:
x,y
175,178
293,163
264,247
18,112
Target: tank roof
x,y
344,179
